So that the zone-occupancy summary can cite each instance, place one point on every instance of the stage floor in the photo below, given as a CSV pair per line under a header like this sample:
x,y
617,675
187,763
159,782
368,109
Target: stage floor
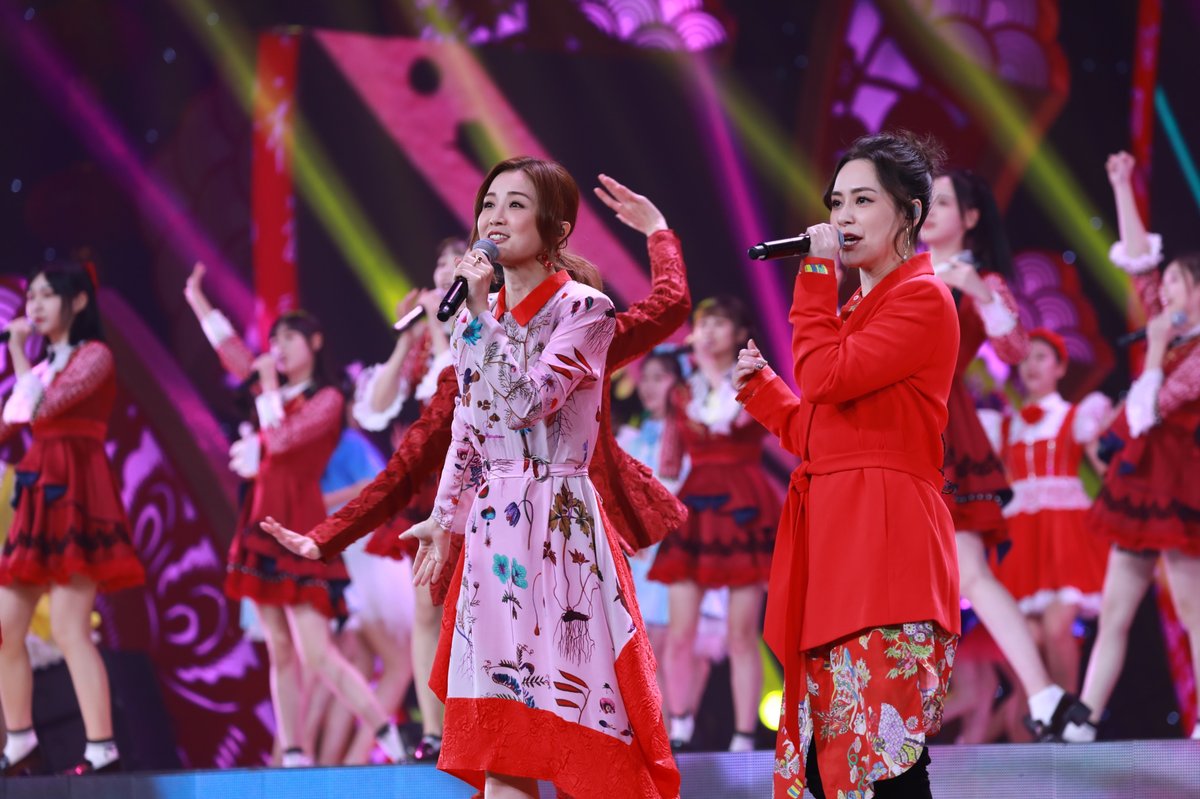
x,y
1145,769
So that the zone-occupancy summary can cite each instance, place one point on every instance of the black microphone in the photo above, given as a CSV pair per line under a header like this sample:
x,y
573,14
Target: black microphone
x,y
1179,318
5,335
786,248
457,294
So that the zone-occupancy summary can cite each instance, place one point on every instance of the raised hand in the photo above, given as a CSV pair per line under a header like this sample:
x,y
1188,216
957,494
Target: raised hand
x,y
193,289
1120,168
631,208
824,241
476,269
965,277
268,378
749,363
432,553
295,543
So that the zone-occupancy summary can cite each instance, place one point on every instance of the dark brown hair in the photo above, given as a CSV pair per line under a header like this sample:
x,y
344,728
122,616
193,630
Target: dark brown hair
x,y
905,165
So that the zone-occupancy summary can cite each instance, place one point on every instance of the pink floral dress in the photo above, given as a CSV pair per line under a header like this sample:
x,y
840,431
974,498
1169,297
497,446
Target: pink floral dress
x,y
544,665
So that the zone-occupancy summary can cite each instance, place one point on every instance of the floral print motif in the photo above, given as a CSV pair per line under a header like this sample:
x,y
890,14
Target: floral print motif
x,y
546,624
871,700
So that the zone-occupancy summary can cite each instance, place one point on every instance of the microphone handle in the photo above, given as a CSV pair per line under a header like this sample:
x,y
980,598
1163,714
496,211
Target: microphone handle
x,y
5,335
455,296
1129,339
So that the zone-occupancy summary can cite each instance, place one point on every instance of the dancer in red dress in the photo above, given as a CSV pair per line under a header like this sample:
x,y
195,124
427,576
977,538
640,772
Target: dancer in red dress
x,y
1149,504
733,511
1053,568
69,533
965,235
863,600
299,422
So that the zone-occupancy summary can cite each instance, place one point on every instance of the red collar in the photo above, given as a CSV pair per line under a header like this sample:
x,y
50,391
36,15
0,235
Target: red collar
x,y
535,301
919,264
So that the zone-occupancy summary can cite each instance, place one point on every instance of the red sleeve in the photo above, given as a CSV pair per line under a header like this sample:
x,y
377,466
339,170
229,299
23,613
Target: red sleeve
x,y
1013,346
418,455
1181,386
236,357
648,322
315,418
776,407
893,345
1146,285
89,368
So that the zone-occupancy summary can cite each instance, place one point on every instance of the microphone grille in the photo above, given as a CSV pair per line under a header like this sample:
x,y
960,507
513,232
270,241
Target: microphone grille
x,y
488,248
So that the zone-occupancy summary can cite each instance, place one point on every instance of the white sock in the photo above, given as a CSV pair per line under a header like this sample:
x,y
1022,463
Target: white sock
x,y
295,758
1043,703
19,744
389,740
1196,732
101,753
741,742
1079,733
682,728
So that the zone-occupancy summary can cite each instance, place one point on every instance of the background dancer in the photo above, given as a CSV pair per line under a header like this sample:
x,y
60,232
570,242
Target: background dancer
x,y
69,533
732,514
300,421
1150,501
965,237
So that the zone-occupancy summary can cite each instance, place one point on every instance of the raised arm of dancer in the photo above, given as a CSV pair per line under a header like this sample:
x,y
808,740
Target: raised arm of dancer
x,y
651,320
1137,252
235,356
769,400
832,369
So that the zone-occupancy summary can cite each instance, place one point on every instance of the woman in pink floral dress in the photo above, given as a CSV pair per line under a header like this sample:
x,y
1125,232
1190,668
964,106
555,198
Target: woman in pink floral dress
x,y
544,665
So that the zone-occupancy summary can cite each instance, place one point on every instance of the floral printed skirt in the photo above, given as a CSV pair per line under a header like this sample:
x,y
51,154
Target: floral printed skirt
x,y
543,662
871,700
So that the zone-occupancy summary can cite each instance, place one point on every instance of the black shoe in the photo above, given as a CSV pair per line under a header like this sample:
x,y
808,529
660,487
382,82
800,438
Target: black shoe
x,y
84,767
428,750
1069,709
25,767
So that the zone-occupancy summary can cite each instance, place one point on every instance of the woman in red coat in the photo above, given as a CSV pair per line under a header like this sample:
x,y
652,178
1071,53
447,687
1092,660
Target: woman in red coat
x,y
69,532
863,600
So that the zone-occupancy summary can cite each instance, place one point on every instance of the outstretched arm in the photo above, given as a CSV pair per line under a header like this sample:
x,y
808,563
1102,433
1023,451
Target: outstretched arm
x,y
235,356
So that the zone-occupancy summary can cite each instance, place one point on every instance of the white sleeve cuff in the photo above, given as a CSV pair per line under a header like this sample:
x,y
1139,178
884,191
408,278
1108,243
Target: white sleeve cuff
x,y
1090,416
216,327
998,319
429,381
270,409
364,414
993,425
245,455
1141,405
1141,263
26,396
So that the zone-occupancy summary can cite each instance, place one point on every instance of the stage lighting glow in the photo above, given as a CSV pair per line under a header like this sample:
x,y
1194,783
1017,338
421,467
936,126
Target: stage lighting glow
x,y
1178,145
769,709
335,206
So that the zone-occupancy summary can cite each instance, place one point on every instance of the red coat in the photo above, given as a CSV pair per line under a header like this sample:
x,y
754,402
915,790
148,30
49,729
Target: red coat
x,y
865,539
640,509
